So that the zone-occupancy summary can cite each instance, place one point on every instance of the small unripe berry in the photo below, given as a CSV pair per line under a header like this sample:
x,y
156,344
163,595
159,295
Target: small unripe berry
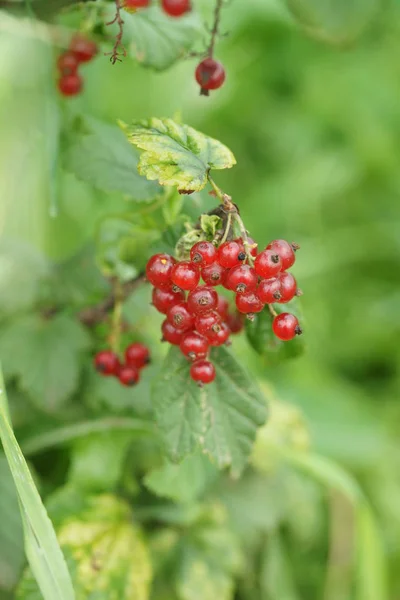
x,y
210,75
180,317
186,275
202,299
128,375
203,253
137,355
286,326
106,362
202,371
158,270
194,345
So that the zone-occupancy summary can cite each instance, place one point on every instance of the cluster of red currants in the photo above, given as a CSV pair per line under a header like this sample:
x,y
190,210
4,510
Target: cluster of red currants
x,y
200,319
137,356
173,8
81,50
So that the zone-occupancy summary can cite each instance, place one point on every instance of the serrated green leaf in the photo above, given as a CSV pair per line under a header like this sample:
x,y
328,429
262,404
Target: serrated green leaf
x,y
209,225
222,418
155,39
12,556
99,154
44,355
177,155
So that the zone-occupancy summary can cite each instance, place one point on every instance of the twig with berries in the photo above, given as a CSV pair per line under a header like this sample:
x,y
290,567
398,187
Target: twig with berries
x,y
210,74
118,48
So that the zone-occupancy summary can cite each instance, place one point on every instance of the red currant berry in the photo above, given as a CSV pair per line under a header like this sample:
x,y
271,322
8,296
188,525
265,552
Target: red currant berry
x,y
106,362
67,63
213,274
285,326
136,3
217,338
202,299
230,254
285,252
267,264
204,253
170,334
235,322
163,299
128,375
158,270
194,345
202,371
240,279
248,303
288,287
269,290
223,307
180,317
210,75
70,84
209,322
186,275
137,355
176,8
83,48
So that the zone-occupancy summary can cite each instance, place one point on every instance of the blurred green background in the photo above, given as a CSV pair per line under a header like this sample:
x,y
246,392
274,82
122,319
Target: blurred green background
x,y
315,128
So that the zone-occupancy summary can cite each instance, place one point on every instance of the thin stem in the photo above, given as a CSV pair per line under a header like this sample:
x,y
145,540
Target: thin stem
x,y
118,48
227,228
243,232
215,28
116,322
272,311
223,198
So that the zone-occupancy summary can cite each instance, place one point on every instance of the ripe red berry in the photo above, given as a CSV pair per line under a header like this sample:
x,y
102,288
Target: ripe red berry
x,y
186,275
67,63
70,84
230,254
267,264
128,375
176,8
217,338
223,307
158,270
235,322
240,279
213,274
203,253
170,334
163,299
136,3
210,75
209,322
194,345
180,317
83,48
285,251
285,326
106,362
202,371
248,303
202,299
288,287
137,355
269,290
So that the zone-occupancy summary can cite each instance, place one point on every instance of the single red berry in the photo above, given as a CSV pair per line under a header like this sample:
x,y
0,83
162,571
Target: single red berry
x,y
204,253
128,375
70,84
269,290
240,279
230,254
158,270
202,371
235,322
202,299
180,317
285,326
213,274
136,3
163,299
137,355
217,338
268,264
83,48
176,8
248,303
288,287
210,75
223,307
186,275
209,322
106,362
194,345
170,334
285,252
67,63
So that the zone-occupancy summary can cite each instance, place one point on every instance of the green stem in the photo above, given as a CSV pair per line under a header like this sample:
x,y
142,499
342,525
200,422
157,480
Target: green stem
x,y
219,193
227,228
116,322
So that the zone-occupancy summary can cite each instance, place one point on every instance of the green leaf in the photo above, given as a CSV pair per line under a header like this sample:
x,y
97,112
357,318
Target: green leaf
x,y
209,225
99,154
177,154
184,482
156,40
222,418
44,355
12,556
41,546
338,22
